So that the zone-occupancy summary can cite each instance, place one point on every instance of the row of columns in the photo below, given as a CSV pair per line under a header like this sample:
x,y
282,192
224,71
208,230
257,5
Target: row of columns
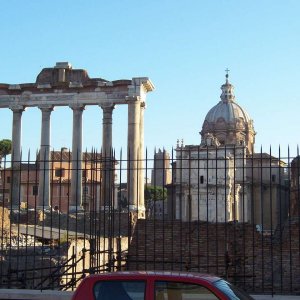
x,y
135,173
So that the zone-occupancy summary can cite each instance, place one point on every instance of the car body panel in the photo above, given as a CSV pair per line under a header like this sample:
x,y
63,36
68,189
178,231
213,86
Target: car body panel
x,y
86,288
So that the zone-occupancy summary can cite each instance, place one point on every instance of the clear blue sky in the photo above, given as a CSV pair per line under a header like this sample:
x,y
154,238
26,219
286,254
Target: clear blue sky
x,y
182,46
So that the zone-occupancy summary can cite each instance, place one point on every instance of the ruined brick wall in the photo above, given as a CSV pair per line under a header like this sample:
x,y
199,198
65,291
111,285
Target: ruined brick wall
x,y
259,263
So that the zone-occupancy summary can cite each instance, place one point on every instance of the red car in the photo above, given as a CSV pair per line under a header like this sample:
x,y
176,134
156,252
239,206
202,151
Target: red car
x,y
156,285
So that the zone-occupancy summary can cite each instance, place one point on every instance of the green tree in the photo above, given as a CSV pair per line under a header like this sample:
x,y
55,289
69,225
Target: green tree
x,y
151,195
5,148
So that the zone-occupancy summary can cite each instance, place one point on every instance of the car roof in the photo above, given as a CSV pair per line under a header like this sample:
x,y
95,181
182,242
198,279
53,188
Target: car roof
x,y
161,274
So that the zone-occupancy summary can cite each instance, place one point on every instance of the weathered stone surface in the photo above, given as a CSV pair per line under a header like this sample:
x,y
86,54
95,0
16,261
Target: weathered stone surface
x,y
5,220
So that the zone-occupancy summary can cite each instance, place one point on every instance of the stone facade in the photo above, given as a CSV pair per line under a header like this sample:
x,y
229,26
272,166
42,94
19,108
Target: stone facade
x,y
210,184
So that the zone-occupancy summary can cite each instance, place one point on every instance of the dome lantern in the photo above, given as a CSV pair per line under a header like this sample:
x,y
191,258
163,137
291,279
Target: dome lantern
x,y
227,90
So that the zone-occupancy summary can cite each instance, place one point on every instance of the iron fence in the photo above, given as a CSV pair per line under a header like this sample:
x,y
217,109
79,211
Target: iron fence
x,y
214,210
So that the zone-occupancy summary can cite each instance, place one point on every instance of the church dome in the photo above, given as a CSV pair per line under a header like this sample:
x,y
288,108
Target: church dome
x,y
228,122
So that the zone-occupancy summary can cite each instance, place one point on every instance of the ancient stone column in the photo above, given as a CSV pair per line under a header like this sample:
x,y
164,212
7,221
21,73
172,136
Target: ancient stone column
x,y
141,202
133,152
107,167
44,169
76,173
16,155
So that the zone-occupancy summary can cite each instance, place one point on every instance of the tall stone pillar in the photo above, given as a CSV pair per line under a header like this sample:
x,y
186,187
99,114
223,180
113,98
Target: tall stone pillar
x,y
107,167
76,174
141,201
16,155
134,106
44,170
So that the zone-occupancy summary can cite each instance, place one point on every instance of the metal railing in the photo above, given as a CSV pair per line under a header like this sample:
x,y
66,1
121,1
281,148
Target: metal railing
x,y
213,210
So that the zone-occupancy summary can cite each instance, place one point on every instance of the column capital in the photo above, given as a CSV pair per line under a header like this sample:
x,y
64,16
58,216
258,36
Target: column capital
x,y
17,108
77,106
143,105
46,107
107,107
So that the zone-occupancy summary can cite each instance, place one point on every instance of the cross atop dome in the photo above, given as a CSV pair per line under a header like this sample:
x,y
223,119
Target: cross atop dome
x,y
227,74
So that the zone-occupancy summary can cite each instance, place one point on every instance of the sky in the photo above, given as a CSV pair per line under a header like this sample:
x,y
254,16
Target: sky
x,y
184,47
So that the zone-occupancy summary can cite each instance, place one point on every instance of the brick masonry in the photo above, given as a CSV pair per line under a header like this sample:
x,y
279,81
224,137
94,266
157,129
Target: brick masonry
x,y
259,263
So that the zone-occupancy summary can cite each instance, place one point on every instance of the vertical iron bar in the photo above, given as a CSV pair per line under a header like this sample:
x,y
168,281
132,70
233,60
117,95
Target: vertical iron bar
x,y
253,209
145,233
129,163
297,198
173,206
216,224
60,209
198,207
262,219
271,218
235,256
244,217
135,218
3,242
35,213
207,216
18,251
120,212
226,250
154,210
180,206
27,218
68,202
282,188
51,215
163,208
189,211
289,220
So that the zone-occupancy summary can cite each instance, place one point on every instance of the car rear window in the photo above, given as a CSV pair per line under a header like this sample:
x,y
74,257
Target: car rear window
x,y
231,291
119,290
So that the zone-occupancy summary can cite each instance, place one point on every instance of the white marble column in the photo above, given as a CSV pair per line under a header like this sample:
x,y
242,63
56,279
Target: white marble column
x,y
76,174
44,168
107,163
141,201
133,150
16,155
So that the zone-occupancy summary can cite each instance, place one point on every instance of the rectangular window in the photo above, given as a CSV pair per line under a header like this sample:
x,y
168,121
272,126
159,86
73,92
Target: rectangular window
x,y
8,179
116,289
273,178
35,190
60,172
84,173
